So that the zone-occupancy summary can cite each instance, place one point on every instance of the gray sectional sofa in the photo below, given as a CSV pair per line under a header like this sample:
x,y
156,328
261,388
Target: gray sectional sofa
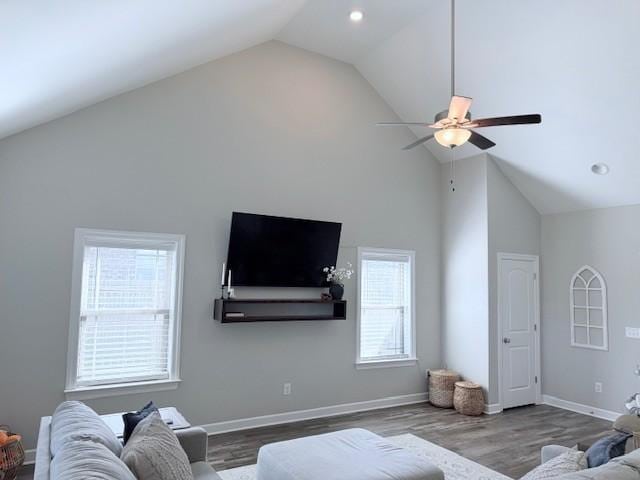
x,y
193,441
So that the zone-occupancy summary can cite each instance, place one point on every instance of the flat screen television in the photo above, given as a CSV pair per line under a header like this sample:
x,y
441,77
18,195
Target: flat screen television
x,y
267,251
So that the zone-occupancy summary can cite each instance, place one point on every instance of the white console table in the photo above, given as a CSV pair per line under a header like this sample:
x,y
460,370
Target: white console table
x,y
170,415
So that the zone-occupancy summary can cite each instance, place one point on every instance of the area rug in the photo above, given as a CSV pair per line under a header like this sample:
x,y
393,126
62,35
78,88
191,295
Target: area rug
x,y
453,465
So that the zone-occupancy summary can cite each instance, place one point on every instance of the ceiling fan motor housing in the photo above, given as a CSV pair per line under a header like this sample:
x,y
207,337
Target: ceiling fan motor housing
x,y
444,114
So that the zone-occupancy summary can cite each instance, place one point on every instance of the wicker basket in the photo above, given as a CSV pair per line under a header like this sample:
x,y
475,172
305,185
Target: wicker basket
x,y
468,398
11,457
441,386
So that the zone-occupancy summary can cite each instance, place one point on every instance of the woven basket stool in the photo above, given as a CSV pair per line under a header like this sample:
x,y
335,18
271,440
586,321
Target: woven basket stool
x,y
468,398
441,386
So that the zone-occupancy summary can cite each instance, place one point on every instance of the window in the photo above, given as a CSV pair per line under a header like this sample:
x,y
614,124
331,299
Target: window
x,y
386,316
588,303
125,312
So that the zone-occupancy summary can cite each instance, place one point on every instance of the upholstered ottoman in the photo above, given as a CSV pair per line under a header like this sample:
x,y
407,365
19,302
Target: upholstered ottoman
x,y
354,454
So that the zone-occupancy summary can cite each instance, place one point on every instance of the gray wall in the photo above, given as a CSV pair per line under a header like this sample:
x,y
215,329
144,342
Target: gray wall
x,y
514,227
485,215
608,240
274,130
465,320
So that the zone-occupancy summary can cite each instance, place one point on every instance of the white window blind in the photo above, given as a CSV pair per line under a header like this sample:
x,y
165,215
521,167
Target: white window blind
x,y
128,310
386,306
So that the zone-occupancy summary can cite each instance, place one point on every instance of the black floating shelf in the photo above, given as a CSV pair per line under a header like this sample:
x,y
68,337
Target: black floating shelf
x,y
236,310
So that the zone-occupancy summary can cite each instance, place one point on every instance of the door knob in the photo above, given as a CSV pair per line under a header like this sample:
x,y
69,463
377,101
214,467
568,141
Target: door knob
x,y
506,340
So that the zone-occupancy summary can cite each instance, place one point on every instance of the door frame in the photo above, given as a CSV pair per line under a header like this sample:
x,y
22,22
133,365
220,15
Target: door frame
x,y
536,292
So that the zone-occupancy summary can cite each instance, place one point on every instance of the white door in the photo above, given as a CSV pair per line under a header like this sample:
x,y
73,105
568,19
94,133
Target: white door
x,y
518,307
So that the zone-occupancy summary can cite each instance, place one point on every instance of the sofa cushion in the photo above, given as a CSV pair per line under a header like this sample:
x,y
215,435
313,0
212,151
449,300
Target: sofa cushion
x,y
203,471
83,460
75,421
570,461
548,452
154,453
132,419
626,467
608,471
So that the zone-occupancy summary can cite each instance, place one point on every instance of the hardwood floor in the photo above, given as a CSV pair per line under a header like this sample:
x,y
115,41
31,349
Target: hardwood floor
x,y
509,442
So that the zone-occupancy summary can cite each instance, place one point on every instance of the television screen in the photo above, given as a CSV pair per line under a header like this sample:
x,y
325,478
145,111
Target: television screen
x,y
266,251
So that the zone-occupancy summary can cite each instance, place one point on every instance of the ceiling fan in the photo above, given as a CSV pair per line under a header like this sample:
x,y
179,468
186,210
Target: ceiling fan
x,y
454,126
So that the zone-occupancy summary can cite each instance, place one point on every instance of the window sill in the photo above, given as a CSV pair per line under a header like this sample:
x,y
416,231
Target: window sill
x,y
402,362
99,391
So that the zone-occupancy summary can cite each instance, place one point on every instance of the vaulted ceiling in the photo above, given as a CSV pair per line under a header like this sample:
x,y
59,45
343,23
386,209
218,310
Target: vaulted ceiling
x,y
60,56
573,61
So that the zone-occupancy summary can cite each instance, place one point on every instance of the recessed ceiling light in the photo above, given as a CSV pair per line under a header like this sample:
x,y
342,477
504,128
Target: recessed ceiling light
x,y
600,168
356,15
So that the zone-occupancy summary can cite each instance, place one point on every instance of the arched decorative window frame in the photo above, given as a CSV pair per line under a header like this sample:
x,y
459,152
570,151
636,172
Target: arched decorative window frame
x,y
605,324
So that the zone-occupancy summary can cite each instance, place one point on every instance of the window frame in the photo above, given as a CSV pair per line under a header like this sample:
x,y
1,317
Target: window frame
x,y
588,308
87,236
411,359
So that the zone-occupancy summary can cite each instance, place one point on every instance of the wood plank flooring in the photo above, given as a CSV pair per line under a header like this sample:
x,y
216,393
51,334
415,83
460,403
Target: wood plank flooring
x,y
508,442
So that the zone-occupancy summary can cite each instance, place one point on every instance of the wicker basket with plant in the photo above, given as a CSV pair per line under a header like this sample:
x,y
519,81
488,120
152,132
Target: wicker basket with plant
x,y
11,453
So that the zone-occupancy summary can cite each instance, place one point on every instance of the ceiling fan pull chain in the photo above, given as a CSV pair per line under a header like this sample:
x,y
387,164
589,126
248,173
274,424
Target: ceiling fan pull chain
x,y
452,174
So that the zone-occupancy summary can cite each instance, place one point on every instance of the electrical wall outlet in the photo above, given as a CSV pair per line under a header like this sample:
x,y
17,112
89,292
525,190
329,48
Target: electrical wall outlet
x,y
598,387
632,332
286,389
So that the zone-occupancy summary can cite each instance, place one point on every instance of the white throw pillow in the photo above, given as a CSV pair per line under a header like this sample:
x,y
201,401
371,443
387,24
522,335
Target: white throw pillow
x,y
153,452
82,460
75,421
567,462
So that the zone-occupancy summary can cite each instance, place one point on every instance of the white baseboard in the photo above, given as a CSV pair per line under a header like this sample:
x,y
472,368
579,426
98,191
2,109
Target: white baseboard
x,y
579,408
492,409
299,415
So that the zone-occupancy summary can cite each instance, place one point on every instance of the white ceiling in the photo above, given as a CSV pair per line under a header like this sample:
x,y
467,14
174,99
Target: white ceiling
x,y
323,26
60,56
574,61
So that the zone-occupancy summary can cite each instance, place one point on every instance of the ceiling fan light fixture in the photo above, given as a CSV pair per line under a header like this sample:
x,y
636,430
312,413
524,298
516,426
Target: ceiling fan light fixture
x,y
452,137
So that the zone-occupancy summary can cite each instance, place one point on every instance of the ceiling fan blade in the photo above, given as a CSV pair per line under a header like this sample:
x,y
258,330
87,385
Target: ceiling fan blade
x,y
512,120
418,142
459,107
483,143
403,124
